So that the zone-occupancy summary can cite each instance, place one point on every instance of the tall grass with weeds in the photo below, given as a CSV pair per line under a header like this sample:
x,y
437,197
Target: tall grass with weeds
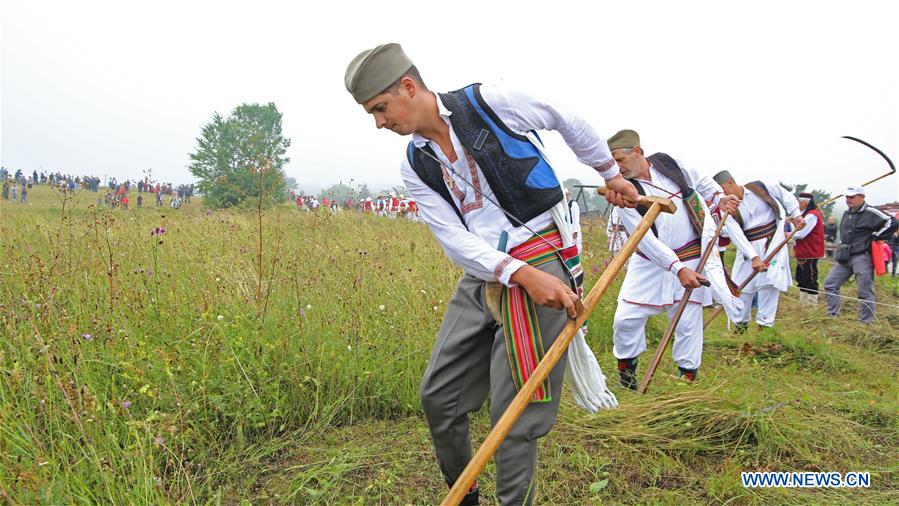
x,y
147,356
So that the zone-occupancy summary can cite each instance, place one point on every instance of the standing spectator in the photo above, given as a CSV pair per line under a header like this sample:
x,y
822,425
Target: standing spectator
x,y
809,248
24,194
125,202
860,226
574,217
158,197
140,197
5,190
887,255
830,234
894,246
15,191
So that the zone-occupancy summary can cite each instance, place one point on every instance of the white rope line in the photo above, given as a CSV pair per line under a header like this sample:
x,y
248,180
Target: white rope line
x,y
894,306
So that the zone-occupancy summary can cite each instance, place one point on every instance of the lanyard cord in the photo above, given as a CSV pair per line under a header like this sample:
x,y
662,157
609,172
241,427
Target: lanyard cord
x,y
660,189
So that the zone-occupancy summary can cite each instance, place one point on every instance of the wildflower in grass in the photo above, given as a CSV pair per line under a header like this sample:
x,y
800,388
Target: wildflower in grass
x,y
302,312
86,336
126,404
219,317
381,307
160,440
308,307
158,231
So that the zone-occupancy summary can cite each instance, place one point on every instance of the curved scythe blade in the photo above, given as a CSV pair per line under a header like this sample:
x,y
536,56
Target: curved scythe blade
x,y
879,152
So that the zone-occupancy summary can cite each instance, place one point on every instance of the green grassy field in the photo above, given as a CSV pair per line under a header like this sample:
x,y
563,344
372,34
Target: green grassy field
x,y
139,368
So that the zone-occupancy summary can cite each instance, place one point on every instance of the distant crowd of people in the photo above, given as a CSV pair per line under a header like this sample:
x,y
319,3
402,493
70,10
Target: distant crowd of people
x,y
16,187
387,205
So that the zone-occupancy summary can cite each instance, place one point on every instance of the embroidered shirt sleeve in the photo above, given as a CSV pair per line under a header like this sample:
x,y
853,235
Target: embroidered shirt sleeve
x,y
736,235
523,113
465,249
786,199
651,247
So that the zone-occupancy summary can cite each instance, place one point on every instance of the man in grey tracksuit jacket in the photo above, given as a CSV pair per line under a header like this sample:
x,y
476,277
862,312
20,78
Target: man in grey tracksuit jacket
x,y
859,227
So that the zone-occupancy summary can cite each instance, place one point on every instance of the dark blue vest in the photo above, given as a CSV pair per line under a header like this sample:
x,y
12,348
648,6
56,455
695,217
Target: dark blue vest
x,y
669,167
523,183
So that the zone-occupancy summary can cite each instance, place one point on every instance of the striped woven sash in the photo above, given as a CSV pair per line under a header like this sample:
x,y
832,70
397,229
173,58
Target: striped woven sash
x,y
524,344
690,251
765,231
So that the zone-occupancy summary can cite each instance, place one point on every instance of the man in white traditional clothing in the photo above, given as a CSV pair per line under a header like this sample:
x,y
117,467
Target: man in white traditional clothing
x,y
574,214
667,257
482,183
756,229
615,232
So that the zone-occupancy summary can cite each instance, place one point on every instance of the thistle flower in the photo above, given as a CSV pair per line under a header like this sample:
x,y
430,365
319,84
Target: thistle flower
x,y
126,404
86,336
158,231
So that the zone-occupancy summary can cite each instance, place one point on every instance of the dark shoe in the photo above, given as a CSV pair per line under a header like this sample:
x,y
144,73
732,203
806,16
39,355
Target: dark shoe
x,y
472,498
687,374
741,327
627,373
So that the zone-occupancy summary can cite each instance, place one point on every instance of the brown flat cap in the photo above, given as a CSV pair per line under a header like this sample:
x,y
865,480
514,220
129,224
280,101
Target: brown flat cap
x,y
624,139
374,70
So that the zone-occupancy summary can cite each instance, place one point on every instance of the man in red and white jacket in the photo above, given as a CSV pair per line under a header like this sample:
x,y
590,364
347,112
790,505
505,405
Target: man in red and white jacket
x,y
809,248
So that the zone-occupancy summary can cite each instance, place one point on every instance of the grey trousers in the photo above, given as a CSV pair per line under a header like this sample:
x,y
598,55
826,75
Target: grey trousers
x,y
863,268
468,361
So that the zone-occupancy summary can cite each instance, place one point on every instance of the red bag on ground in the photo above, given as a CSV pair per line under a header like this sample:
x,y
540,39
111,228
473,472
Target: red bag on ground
x,y
880,267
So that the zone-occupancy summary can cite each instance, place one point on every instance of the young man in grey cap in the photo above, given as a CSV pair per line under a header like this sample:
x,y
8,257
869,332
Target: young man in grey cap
x,y
483,185
859,227
664,267
757,228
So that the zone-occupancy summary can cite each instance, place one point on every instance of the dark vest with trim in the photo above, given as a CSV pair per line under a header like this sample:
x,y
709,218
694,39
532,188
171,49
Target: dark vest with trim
x,y
761,191
523,183
669,168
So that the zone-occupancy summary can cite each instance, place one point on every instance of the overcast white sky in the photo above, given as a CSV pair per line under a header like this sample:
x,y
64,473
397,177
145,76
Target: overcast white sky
x,y
764,89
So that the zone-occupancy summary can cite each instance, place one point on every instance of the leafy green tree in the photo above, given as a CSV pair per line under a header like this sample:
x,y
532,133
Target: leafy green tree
x,y
241,157
342,191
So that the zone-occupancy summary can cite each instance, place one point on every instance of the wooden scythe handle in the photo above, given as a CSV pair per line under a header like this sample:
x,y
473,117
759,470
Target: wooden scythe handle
x,y
551,358
643,200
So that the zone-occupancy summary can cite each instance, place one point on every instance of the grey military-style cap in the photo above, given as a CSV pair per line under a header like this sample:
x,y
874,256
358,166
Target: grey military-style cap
x,y
374,70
